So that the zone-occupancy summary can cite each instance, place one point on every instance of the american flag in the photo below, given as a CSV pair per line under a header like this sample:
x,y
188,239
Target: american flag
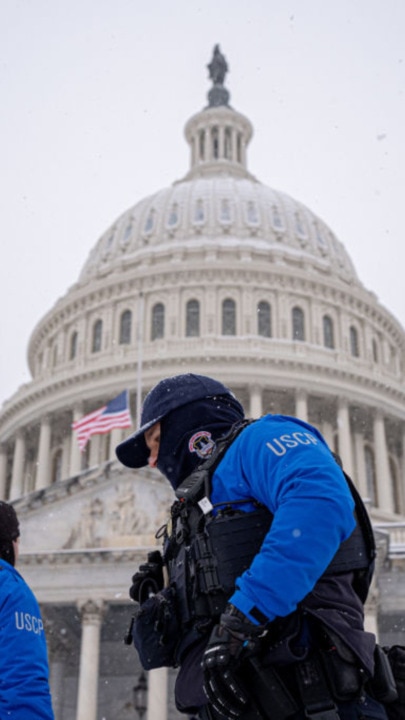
x,y
113,415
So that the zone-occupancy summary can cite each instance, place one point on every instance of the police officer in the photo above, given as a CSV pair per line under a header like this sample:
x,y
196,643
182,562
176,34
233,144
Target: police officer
x,y
24,687
286,638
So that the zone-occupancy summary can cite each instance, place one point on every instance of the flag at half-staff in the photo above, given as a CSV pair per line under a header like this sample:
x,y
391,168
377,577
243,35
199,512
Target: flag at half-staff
x,y
115,414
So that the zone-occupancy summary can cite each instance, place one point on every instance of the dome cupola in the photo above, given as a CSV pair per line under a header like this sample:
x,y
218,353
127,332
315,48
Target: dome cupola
x,y
218,135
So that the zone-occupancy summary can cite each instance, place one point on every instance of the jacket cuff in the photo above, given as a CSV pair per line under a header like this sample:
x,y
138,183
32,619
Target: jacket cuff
x,y
252,612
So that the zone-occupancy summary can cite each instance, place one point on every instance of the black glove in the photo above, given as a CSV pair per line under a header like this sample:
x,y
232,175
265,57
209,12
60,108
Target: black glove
x,y
149,578
234,639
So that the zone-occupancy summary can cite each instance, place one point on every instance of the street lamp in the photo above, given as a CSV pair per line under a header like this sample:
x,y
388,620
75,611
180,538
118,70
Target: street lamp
x,y
139,698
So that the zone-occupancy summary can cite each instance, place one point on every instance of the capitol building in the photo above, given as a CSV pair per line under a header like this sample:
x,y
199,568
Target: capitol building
x,y
220,275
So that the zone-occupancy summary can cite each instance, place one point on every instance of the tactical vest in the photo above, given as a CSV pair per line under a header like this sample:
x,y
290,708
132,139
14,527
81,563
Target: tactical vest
x,y
205,552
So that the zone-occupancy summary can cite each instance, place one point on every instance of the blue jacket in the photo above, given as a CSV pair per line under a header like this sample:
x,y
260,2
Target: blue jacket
x,y
24,687
285,464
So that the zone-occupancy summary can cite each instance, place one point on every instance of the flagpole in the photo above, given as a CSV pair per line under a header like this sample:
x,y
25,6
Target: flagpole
x,y
140,360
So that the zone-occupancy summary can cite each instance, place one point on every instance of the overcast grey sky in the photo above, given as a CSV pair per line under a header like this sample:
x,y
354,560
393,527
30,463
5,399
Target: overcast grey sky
x,y
95,95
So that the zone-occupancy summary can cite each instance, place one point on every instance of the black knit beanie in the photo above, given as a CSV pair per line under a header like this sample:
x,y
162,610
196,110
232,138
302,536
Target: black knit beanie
x,y
9,531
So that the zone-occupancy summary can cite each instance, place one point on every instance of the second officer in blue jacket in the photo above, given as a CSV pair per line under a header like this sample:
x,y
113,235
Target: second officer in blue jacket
x,y
24,686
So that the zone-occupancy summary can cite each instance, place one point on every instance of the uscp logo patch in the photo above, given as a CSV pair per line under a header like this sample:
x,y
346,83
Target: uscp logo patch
x,y
201,443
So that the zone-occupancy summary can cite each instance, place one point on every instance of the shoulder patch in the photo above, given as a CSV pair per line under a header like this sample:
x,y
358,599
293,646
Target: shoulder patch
x,y
201,443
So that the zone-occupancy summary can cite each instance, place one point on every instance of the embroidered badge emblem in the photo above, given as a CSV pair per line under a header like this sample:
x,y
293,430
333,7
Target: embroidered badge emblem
x,y
201,443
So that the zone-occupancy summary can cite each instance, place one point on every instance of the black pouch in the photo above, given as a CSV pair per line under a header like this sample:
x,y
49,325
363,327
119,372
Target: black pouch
x,y
157,631
383,683
396,656
344,675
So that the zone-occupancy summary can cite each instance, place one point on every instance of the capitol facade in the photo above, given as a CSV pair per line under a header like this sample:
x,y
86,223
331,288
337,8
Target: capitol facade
x,y
219,275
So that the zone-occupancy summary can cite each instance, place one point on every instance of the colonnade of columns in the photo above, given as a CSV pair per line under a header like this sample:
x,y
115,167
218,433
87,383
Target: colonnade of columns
x,y
92,614
231,145
72,457
350,449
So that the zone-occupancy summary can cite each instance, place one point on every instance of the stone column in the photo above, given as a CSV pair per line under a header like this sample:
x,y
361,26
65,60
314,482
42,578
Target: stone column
x,y
221,142
75,453
345,443
17,476
66,456
57,673
95,444
157,694
207,145
243,150
92,614
255,401
361,478
327,432
233,145
3,472
56,681
59,651
301,405
43,466
115,439
382,469
192,150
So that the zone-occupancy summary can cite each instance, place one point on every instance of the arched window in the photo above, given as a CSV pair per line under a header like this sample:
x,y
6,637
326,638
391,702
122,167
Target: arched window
x,y
192,318
264,319
199,214
97,336
228,317
149,222
252,216
158,321
225,211
299,226
201,144
328,335
73,345
228,143
393,357
370,475
276,218
375,350
239,148
215,142
108,244
125,327
354,341
126,236
395,484
298,328
173,218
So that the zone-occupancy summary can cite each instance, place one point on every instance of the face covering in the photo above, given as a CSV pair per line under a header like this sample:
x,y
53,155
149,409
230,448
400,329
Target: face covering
x,y
189,433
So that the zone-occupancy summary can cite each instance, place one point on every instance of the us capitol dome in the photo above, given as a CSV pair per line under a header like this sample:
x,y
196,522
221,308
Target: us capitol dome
x,y
217,274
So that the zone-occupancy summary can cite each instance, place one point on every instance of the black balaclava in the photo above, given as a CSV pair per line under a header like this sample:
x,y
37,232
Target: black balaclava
x,y
9,531
188,434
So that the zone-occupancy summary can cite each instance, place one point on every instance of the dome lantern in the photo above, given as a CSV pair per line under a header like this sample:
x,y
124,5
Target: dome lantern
x,y
218,135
